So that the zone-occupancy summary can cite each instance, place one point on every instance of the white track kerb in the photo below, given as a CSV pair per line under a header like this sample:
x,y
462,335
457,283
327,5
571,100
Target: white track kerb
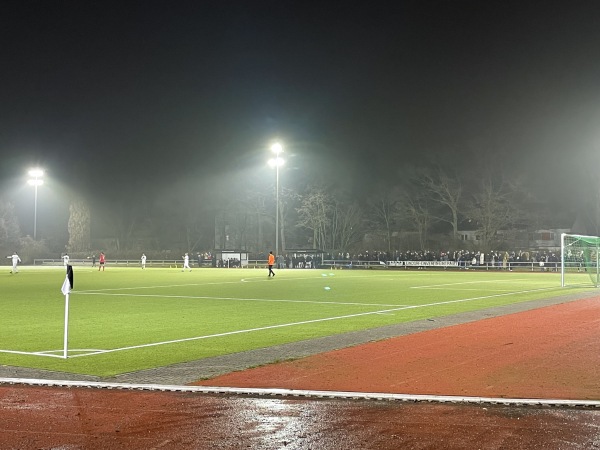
x,y
310,394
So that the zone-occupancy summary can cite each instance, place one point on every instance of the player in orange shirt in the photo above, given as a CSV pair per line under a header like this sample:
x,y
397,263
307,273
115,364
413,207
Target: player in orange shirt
x,y
271,263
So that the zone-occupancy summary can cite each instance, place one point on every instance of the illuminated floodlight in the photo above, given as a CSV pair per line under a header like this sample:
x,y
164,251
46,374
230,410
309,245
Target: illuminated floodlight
x,y
277,148
36,173
278,161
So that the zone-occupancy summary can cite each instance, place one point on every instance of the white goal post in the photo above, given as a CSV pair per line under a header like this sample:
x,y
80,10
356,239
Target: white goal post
x,y
579,261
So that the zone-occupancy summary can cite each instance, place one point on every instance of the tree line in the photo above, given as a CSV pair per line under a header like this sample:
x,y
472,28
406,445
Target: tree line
x,y
420,209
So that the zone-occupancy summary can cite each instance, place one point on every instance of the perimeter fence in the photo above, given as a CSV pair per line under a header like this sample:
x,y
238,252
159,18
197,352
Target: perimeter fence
x,y
335,264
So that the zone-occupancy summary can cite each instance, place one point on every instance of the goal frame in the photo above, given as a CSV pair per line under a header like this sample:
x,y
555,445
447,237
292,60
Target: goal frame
x,y
563,266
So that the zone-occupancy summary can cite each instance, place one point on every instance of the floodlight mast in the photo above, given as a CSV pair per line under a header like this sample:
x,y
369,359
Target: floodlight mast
x,y
276,162
35,181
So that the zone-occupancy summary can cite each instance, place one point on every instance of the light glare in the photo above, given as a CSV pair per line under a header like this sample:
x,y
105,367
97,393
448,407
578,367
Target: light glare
x,y
276,162
276,148
36,173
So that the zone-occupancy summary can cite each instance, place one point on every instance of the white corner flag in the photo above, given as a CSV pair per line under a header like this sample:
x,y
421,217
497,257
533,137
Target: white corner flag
x,y
66,289
68,283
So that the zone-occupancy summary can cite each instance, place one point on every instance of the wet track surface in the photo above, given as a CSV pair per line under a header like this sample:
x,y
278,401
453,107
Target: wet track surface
x,y
44,418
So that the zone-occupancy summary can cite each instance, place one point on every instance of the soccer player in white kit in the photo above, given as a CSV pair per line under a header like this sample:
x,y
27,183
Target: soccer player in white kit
x,y
186,262
143,260
15,260
66,260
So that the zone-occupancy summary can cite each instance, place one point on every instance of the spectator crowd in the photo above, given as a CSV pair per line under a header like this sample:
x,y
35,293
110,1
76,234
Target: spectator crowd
x,y
545,260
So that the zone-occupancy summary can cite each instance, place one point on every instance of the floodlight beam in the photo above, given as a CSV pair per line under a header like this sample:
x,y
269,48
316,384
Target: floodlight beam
x,y
276,162
35,181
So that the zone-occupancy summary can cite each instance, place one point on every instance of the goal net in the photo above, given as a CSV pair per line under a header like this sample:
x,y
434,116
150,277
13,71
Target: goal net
x,y
580,264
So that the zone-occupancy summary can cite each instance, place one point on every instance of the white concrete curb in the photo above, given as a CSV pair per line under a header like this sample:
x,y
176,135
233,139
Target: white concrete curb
x,y
309,393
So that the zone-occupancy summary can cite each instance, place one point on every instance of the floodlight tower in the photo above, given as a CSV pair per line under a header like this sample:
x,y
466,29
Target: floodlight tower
x,y
276,162
35,181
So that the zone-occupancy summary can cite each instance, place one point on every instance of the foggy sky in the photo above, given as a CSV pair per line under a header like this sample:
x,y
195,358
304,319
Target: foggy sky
x,y
109,95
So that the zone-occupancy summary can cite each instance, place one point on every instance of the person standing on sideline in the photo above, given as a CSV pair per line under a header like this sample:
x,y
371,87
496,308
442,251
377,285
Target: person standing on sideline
x,y
271,262
186,262
143,260
94,260
101,261
15,260
66,260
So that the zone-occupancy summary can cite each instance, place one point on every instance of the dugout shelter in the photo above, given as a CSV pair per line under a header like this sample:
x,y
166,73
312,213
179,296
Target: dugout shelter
x,y
230,258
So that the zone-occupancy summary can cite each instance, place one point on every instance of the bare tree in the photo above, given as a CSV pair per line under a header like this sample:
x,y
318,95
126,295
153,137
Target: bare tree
x,y
588,216
313,215
346,225
287,199
588,201
385,210
417,211
447,192
79,226
197,234
126,219
9,226
493,208
239,219
256,205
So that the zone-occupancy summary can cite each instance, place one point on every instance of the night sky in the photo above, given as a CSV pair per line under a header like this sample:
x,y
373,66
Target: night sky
x,y
107,96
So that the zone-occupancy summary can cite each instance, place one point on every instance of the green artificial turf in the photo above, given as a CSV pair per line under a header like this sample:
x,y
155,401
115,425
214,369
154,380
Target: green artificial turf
x,y
128,319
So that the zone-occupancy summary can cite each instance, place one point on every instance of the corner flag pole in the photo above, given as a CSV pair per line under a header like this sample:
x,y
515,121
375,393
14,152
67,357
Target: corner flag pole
x,y
66,338
66,290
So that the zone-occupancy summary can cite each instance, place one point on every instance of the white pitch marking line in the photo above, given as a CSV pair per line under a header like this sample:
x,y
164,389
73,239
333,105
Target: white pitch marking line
x,y
467,282
193,284
305,322
71,350
229,333
51,353
152,287
236,299
466,289
267,280
43,353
